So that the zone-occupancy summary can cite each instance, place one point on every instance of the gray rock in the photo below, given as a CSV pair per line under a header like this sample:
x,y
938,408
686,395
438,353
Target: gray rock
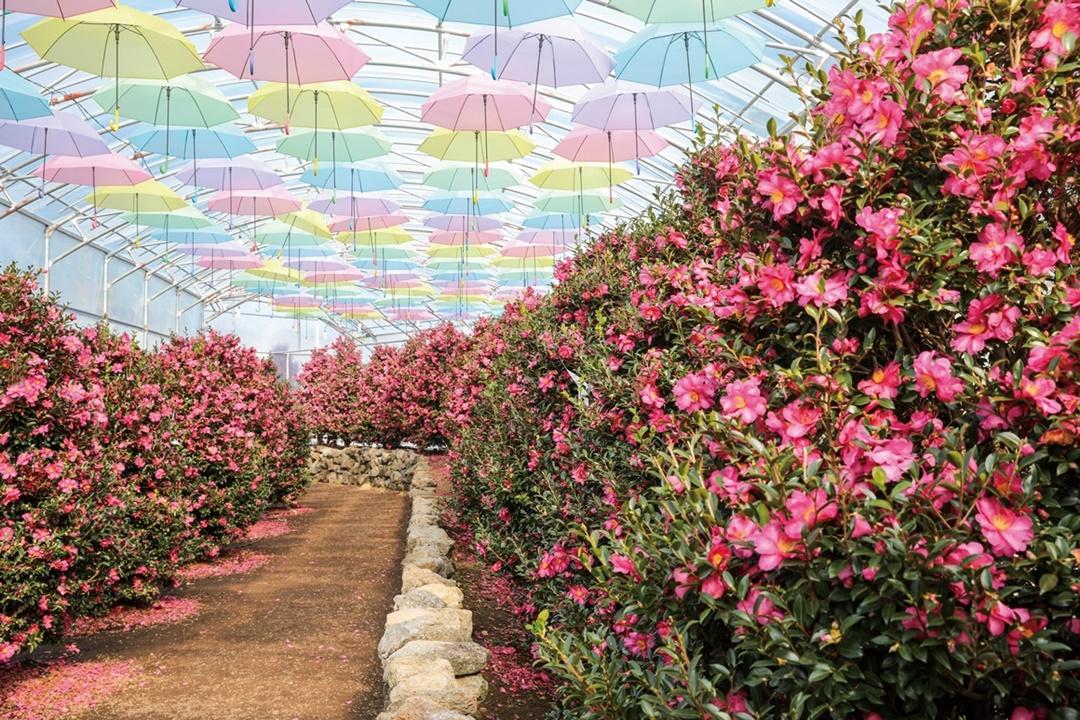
x,y
396,671
403,626
428,537
421,708
413,577
462,695
466,658
436,563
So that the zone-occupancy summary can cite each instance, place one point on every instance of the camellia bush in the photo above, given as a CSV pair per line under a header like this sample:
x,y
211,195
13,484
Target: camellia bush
x,y
803,442
400,395
117,465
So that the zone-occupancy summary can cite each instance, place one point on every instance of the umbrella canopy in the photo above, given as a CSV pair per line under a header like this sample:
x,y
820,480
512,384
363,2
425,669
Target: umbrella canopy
x,y
353,310
94,171
20,99
585,144
185,101
275,270
551,238
60,134
577,204
206,236
115,42
368,222
685,11
555,53
186,218
188,143
452,251
242,173
318,264
489,147
557,221
618,105
664,55
346,146
462,223
562,175
346,274
514,12
221,250
336,105
361,177
466,178
467,204
471,238
377,238
259,285
148,196
290,54
242,262
268,12
277,234
524,250
352,206
307,221
480,104
271,202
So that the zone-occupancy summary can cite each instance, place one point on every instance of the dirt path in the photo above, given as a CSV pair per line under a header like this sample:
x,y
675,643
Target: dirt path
x,y
294,639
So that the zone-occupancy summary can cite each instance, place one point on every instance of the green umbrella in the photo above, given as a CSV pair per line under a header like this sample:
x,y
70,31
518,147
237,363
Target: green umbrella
x,y
185,101
276,234
346,146
459,178
182,219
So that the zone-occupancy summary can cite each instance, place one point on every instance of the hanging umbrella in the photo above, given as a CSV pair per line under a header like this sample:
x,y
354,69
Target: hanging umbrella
x,y
467,205
259,13
337,105
50,8
278,234
358,178
578,204
192,144
471,238
495,146
307,221
318,264
578,177
378,238
618,105
352,310
461,223
366,223
241,173
187,218
384,265
452,251
486,276
149,196
390,252
243,262
115,42
550,238
513,12
275,270
220,250
261,286
664,55
585,144
19,98
688,11
271,202
346,274
523,250
556,221
346,146
92,171
61,134
353,206
555,53
455,178
194,237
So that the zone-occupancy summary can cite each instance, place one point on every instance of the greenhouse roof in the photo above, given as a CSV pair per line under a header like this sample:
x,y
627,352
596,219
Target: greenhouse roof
x,y
411,56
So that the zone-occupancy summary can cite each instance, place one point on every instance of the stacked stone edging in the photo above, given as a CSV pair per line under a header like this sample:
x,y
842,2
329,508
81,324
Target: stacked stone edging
x,y
430,662
360,465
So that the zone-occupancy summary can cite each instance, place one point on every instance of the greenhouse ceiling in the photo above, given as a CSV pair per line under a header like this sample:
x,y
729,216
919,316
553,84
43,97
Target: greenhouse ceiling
x,y
412,55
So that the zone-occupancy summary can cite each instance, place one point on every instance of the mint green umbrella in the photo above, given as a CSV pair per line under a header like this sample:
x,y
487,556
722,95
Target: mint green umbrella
x,y
346,146
183,219
461,178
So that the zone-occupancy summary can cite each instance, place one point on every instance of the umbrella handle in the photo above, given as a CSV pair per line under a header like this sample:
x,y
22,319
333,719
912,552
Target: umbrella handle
x,y
316,160
116,72
705,38
251,51
168,126
232,5
495,56
3,33
288,107
690,83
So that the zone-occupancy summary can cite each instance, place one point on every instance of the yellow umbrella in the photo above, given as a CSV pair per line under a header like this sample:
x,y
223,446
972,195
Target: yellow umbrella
x,y
148,196
455,251
376,238
115,42
560,174
511,263
417,292
464,146
308,221
275,270
337,105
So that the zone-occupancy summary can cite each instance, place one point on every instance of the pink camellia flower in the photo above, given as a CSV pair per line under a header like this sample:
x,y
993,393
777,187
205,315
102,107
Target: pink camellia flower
x,y
933,374
795,423
999,618
807,510
773,546
713,586
622,565
1007,532
940,73
743,400
884,124
822,292
758,606
988,318
883,382
776,284
997,247
1060,23
695,392
1022,713
1040,390
781,193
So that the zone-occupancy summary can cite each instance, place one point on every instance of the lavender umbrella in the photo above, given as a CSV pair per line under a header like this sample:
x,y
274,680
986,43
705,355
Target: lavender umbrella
x,y
268,12
353,206
60,134
462,223
555,53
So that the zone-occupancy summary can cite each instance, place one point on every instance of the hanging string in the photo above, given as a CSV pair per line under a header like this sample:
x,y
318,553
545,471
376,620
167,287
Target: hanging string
x,y
251,50
168,125
610,162
316,163
705,35
116,72
3,34
288,105
333,166
536,81
690,82
637,139
44,157
495,57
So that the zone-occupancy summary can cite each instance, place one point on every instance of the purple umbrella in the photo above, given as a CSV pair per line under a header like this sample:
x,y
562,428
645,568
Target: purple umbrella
x,y
242,173
462,223
60,134
268,12
555,53
352,206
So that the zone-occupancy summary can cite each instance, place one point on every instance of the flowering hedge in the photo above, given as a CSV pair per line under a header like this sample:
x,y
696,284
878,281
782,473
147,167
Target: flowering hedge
x,y
117,465
399,395
802,442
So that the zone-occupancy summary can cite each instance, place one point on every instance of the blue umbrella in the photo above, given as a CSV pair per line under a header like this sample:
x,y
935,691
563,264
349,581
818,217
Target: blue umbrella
x,y
20,99
678,54
475,275
467,205
367,264
557,221
511,13
193,143
356,178
209,236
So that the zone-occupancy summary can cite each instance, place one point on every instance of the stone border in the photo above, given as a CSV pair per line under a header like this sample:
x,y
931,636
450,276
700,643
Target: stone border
x,y
430,663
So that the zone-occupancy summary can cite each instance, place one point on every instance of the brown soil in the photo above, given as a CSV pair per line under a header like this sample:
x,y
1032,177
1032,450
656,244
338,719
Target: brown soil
x,y
293,640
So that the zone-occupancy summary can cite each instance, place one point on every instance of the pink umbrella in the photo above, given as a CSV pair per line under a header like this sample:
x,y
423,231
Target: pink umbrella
x,y
92,171
584,144
296,302
353,206
515,250
243,262
471,287
271,202
477,103
60,134
242,173
268,12
547,237
51,8
318,264
336,275
286,54
366,223
463,238
462,223
412,315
